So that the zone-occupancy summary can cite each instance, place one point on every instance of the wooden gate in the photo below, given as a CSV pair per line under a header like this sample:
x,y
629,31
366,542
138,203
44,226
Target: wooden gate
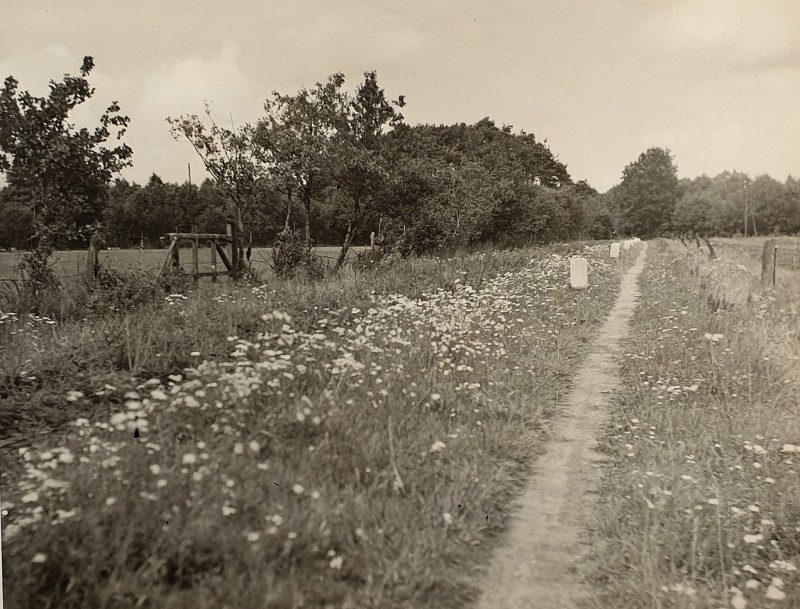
x,y
216,244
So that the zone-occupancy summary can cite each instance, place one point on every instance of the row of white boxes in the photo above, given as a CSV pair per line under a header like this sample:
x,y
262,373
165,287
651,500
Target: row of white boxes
x,y
579,266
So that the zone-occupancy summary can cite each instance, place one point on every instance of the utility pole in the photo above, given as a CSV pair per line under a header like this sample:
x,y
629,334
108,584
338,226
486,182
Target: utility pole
x,y
745,208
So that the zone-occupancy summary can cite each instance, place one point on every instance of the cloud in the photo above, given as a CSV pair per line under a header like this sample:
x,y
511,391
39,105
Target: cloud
x,y
728,34
182,86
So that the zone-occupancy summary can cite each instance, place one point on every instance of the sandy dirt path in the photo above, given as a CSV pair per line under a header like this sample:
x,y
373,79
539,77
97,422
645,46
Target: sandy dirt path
x,y
535,567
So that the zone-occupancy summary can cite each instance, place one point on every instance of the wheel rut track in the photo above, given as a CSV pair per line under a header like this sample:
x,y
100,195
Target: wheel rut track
x,y
535,566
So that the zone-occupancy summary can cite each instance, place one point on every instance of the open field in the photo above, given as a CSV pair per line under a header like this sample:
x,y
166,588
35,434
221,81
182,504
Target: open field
x,y
749,250
354,442
72,262
702,505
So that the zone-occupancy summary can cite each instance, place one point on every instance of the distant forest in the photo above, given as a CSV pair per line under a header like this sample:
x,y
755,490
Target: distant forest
x,y
334,166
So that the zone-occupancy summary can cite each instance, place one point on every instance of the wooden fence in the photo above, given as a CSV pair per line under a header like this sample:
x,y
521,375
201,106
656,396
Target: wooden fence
x,y
214,242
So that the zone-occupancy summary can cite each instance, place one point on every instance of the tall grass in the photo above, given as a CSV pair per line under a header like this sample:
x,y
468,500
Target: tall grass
x,y
702,506
354,442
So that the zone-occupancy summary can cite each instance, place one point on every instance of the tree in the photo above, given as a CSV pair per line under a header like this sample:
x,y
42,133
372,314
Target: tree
x,y
732,212
230,157
294,140
694,213
771,206
59,171
360,161
648,193
16,228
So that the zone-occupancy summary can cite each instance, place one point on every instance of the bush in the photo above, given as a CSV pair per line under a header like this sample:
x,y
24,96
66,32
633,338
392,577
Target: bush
x,y
117,291
289,254
426,239
41,284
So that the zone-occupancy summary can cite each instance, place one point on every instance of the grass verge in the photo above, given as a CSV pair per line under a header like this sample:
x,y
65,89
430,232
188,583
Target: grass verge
x,y
350,443
702,506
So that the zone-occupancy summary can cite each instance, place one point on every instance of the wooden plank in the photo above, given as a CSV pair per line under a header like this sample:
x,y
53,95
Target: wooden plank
x,y
223,256
212,274
214,261
201,236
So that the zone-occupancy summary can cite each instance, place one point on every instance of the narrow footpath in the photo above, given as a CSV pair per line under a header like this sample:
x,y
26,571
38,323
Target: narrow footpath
x,y
535,567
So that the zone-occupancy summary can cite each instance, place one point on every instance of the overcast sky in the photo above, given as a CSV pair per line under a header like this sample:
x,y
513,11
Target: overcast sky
x,y
716,81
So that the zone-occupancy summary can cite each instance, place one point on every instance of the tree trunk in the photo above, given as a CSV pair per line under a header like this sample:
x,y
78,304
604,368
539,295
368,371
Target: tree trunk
x,y
711,253
307,204
745,214
348,239
288,211
237,250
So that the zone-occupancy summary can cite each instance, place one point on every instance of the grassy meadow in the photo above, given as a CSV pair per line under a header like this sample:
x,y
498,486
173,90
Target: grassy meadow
x,y
351,442
702,505
68,263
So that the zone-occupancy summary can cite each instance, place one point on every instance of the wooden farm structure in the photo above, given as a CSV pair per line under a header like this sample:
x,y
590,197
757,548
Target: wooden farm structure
x,y
216,244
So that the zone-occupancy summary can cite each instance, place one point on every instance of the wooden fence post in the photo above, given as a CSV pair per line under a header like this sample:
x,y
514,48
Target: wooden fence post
x,y
768,260
774,264
214,261
174,250
92,263
195,262
711,253
233,233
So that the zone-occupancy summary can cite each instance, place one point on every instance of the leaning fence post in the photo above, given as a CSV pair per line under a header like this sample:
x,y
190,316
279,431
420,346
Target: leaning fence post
x,y
711,253
578,273
176,257
768,260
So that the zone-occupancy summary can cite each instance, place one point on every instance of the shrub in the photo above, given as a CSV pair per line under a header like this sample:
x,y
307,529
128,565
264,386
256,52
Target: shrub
x,y
289,254
117,291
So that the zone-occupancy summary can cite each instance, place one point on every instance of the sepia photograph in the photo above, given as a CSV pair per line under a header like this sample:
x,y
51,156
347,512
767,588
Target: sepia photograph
x,y
400,305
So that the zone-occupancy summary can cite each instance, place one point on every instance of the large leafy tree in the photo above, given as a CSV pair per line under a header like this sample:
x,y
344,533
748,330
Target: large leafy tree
x,y
648,193
295,140
361,163
60,172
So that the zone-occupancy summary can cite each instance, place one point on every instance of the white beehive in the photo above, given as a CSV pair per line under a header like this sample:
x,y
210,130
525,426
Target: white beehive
x,y
578,273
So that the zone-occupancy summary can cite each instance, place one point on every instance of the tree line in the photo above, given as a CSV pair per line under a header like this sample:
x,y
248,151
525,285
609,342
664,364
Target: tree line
x,y
651,200
330,166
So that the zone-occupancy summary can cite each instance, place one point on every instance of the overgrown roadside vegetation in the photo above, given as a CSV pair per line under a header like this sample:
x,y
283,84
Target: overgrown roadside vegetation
x,y
352,442
702,506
